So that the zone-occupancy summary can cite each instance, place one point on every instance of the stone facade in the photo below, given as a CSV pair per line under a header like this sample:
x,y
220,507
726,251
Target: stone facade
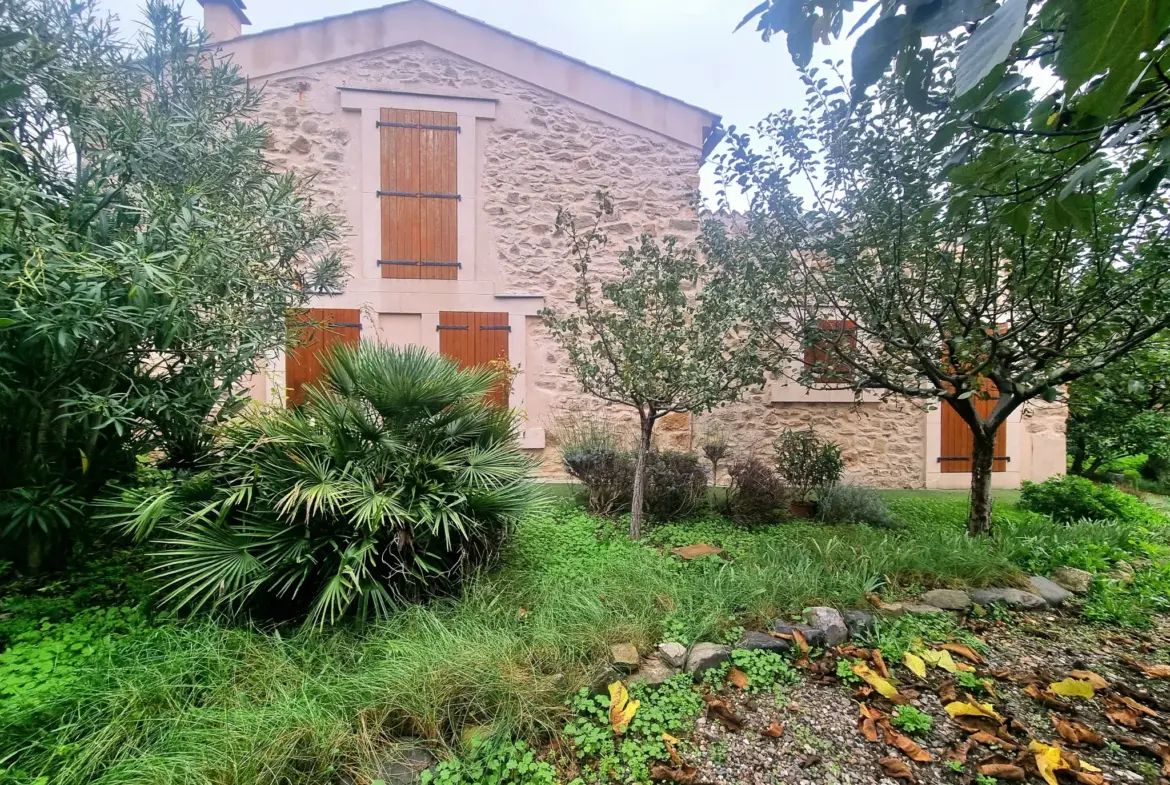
x,y
534,138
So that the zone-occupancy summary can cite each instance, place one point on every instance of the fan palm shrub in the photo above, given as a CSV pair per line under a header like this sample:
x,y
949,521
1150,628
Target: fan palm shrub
x,y
395,480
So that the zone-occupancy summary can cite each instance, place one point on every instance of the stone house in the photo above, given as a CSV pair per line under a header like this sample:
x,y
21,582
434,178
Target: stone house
x,y
447,146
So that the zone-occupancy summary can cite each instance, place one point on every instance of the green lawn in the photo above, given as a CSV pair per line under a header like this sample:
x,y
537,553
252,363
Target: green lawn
x,y
198,702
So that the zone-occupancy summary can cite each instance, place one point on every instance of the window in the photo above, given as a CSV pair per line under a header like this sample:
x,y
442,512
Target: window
x,y
823,349
418,194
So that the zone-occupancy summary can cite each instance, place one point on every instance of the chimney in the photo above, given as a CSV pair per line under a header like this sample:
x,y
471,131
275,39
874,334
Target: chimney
x,y
222,19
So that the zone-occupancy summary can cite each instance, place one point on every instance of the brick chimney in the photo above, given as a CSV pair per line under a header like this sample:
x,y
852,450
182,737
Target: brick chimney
x,y
222,19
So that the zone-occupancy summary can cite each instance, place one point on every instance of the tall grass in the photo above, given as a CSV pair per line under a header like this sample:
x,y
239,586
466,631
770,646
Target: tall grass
x,y
201,703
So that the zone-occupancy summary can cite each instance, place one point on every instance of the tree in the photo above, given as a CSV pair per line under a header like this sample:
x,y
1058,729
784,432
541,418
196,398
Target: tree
x,y
1122,411
910,276
659,339
1108,56
148,254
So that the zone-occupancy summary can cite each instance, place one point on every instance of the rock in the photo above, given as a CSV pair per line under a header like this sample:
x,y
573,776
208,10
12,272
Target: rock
x,y
301,145
1052,593
812,635
830,622
673,654
706,655
910,607
1122,571
689,552
402,766
757,641
1076,581
947,599
624,656
859,622
1013,598
653,671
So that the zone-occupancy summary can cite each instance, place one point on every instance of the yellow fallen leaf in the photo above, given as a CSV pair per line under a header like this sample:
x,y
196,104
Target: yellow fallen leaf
x,y
1048,761
1096,679
939,659
670,739
915,664
1073,688
883,687
971,709
621,708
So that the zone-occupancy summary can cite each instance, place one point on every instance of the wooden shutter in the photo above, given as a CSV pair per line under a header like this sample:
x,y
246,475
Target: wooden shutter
x,y
472,339
819,354
958,443
314,331
418,194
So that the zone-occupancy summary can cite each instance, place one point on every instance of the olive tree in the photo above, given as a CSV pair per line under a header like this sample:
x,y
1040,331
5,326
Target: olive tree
x,y
660,337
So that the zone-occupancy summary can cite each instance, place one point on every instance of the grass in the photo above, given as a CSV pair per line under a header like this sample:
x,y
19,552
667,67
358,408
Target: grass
x,y
199,702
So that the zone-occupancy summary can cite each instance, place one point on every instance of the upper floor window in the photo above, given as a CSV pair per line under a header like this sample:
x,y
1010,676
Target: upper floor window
x,y
418,195
823,349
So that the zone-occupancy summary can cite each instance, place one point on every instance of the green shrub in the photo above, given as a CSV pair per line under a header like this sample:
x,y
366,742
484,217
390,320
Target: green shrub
x,y
854,504
606,474
807,464
493,763
676,486
912,721
395,480
1071,498
756,494
1156,468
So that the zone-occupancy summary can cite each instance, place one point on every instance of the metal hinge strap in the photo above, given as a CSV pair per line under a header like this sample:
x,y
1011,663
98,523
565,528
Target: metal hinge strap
x,y
414,195
451,327
421,126
408,263
504,327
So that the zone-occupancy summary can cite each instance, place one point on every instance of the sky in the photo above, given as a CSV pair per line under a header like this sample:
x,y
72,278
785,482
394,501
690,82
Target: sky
x,y
684,48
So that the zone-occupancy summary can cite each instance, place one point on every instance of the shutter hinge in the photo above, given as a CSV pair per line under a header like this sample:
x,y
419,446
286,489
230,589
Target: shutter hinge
x,y
451,327
420,126
408,263
505,327
942,458
347,324
415,195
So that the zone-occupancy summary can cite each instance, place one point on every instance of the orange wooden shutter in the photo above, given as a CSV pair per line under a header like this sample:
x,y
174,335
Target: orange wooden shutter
x,y
818,355
418,194
316,330
958,443
472,339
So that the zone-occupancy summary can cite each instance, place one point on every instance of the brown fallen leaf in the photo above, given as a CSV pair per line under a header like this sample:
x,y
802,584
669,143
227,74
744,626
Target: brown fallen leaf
x,y
1076,732
1089,777
958,752
874,600
801,644
1138,707
684,775
977,724
1098,681
738,678
720,711
1120,715
879,663
1048,699
983,737
773,731
964,651
906,745
1158,670
1003,771
867,723
946,691
896,769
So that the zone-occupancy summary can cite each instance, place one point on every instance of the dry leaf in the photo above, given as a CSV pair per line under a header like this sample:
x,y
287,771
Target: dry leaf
x,y
915,664
874,600
1072,688
946,691
978,725
867,722
1076,732
669,741
522,612
1048,699
939,659
879,662
1049,760
621,708
684,775
906,745
1096,679
884,688
958,752
1089,777
738,678
1121,716
963,650
774,731
971,708
1003,771
1157,671
719,710
802,645
1131,703
895,768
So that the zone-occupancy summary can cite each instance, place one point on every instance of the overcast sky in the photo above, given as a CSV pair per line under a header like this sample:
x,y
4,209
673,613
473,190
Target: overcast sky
x,y
684,48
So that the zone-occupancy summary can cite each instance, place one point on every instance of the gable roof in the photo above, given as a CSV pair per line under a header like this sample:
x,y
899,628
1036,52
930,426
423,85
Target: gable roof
x,y
280,50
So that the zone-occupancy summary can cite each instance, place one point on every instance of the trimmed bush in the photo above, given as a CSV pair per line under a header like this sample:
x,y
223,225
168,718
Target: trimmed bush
x,y
808,465
606,474
854,504
756,493
1069,499
394,481
676,486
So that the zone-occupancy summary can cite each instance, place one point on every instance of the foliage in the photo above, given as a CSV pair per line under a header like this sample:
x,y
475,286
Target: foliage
x,y
969,681
715,446
653,339
1121,412
766,670
912,270
845,672
851,504
393,481
1069,499
912,721
148,251
756,493
899,634
1132,603
676,486
491,762
808,465
606,474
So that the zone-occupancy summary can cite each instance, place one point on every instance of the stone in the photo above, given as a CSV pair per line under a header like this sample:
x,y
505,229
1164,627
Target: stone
x,y
812,635
704,656
859,622
1013,598
673,654
402,767
1076,581
301,145
762,641
689,552
653,671
1051,592
830,622
947,599
624,657
920,607
1122,571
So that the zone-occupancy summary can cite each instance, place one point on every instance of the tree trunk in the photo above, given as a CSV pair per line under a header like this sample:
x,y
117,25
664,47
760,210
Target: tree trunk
x,y
1078,464
982,458
639,500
